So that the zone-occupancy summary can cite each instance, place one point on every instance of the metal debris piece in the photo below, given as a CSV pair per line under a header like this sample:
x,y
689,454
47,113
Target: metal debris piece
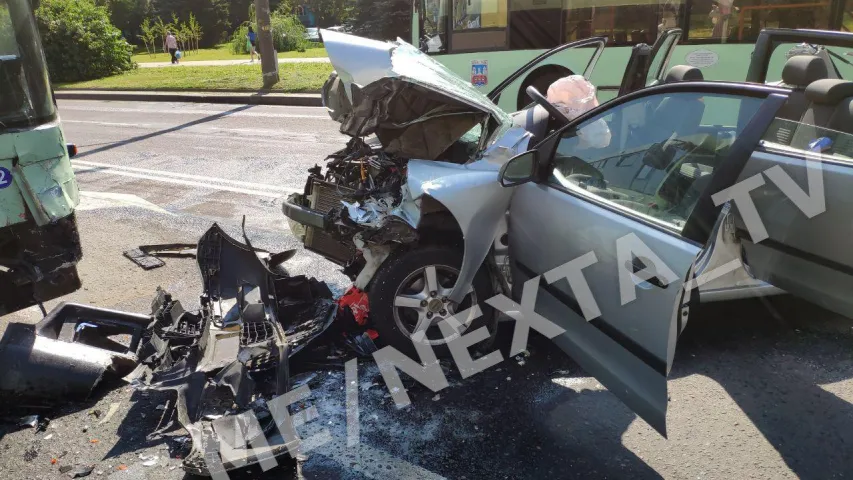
x,y
56,361
29,421
80,471
147,256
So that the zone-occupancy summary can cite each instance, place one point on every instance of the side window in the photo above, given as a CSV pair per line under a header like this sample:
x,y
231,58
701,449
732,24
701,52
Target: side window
x,y
832,137
654,155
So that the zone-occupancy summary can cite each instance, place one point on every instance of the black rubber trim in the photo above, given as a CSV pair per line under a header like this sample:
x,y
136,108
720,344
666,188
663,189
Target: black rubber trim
x,y
303,215
796,252
617,336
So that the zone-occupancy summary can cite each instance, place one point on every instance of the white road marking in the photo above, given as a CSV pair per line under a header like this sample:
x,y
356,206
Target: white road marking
x,y
98,200
225,181
267,135
211,183
321,115
109,124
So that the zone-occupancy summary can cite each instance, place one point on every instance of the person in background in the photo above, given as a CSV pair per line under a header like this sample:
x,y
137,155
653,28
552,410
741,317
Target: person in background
x,y
253,43
171,44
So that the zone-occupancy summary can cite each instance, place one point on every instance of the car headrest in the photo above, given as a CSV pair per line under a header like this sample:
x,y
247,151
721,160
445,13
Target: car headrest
x,y
829,91
802,70
683,73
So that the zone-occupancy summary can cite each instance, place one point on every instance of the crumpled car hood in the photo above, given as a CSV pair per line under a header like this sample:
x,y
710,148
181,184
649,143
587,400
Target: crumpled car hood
x,y
416,107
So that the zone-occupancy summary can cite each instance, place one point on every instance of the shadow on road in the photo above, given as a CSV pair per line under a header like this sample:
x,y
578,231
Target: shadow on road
x,y
772,362
139,138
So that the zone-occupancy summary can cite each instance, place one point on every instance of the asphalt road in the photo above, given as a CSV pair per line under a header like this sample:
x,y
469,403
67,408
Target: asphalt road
x,y
757,391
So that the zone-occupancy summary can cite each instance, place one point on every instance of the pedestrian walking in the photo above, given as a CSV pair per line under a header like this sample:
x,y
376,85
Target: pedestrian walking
x,y
252,37
171,45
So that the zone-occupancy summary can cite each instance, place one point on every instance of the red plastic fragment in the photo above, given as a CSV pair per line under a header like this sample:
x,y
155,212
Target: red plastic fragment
x,y
358,303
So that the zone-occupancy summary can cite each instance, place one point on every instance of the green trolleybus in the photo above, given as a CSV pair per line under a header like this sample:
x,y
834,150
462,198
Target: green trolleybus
x,y
486,40
39,243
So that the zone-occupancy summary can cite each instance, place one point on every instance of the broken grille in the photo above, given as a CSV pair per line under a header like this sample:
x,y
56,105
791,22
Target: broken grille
x,y
255,332
324,197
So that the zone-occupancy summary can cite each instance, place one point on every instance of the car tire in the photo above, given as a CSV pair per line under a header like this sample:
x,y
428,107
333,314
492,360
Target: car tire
x,y
395,324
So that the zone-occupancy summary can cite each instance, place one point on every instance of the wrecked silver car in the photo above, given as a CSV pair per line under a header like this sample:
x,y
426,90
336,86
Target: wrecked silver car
x,y
441,202
412,211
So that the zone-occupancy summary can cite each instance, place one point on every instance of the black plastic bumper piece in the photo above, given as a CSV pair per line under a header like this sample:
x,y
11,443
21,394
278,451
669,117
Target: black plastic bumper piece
x,y
292,208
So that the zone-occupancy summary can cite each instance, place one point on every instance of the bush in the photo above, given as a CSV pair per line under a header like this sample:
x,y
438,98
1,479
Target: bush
x,y
79,41
287,32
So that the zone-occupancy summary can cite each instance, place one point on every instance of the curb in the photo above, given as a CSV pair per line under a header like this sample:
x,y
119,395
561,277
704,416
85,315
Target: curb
x,y
281,99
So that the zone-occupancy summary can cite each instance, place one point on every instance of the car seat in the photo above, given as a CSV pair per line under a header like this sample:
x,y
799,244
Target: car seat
x,y
797,74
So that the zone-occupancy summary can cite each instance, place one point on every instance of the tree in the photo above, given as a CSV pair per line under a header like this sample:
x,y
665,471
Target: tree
x,y
382,19
149,35
127,15
212,16
79,41
162,30
195,31
328,13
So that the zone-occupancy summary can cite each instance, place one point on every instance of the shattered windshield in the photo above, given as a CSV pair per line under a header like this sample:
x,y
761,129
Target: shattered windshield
x,y
838,59
412,65
25,98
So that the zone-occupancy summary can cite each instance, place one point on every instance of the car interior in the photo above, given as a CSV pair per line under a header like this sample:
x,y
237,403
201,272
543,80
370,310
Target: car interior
x,y
818,107
659,157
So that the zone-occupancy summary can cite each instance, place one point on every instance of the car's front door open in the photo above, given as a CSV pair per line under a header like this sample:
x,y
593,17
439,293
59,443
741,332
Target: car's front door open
x,y
614,226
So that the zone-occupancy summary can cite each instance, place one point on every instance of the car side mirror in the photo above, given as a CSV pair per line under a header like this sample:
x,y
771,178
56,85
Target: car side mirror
x,y
519,169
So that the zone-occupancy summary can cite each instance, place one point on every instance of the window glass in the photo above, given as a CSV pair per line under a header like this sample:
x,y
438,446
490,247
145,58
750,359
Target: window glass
x,y
839,60
472,14
25,98
833,140
652,156
624,22
735,21
434,26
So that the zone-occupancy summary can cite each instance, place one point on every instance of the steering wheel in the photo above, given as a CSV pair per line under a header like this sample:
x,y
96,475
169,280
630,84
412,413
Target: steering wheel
x,y
541,100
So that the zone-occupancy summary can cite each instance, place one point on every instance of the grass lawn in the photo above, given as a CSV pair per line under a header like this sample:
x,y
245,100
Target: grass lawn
x,y
295,78
223,52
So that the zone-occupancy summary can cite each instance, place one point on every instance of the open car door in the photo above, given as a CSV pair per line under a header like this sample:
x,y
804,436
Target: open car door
x,y
647,65
581,53
608,230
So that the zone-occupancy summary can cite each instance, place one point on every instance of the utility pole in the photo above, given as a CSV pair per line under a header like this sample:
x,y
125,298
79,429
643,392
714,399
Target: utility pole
x,y
269,57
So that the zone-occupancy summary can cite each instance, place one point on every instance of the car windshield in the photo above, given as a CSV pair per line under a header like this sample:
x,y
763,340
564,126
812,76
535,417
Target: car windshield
x,y
839,59
25,98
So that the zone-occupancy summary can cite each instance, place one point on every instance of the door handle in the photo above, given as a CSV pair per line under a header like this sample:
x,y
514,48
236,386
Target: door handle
x,y
637,265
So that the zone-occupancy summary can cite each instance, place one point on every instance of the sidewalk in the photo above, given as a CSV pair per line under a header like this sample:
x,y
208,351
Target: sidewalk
x,y
243,98
215,63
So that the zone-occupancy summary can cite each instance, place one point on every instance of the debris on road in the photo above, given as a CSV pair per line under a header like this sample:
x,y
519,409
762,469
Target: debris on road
x,y
222,362
29,421
78,471
148,256
58,360
228,358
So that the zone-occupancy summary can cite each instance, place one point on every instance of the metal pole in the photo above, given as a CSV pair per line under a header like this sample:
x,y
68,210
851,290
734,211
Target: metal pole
x,y
269,57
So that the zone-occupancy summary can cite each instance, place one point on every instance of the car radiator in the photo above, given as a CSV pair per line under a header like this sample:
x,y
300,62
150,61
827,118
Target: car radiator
x,y
324,197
